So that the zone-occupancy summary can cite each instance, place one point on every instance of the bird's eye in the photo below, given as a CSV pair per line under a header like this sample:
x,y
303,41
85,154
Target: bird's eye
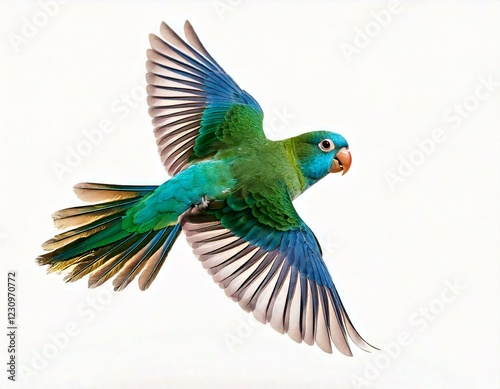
x,y
326,145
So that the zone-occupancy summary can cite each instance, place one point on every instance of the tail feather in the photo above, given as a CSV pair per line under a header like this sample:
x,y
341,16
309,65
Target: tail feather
x,y
61,242
92,261
79,216
153,267
116,261
92,192
96,244
108,233
136,264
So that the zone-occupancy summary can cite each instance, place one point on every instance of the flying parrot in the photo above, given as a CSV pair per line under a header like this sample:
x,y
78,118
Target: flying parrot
x,y
230,193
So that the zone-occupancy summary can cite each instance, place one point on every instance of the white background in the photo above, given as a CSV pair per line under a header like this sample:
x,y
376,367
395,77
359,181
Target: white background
x,y
393,249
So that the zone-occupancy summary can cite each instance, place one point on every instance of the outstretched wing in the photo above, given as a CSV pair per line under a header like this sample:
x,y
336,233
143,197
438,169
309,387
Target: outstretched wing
x,y
196,106
267,259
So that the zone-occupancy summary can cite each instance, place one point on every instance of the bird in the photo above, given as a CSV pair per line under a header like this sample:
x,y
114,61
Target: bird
x,y
230,192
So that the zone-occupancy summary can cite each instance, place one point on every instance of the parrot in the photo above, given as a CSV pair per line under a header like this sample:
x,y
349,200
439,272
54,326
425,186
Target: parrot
x,y
230,192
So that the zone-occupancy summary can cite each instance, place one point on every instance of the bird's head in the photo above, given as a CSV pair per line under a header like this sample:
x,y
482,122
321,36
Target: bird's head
x,y
321,152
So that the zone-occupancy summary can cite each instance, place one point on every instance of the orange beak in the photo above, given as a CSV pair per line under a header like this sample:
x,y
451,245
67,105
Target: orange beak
x,y
342,161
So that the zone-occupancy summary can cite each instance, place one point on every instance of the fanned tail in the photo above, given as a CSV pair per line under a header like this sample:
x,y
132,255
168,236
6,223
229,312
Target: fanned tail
x,y
95,243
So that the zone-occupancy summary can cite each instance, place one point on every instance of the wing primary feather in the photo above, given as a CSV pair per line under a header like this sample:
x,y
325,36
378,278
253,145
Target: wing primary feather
x,y
338,333
153,66
192,112
303,304
266,260
203,65
174,145
277,284
309,316
195,41
225,235
277,307
175,158
322,335
280,259
249,263
168,51
162,80
188,128
353,333
174,108
170,35
314,301
177,147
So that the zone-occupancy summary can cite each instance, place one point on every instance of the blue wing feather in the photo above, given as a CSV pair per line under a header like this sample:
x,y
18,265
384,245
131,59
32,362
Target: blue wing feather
x,y
178,72
279,258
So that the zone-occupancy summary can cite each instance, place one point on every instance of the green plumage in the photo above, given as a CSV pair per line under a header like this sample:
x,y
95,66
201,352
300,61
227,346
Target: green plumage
x,y
231,193
226,125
